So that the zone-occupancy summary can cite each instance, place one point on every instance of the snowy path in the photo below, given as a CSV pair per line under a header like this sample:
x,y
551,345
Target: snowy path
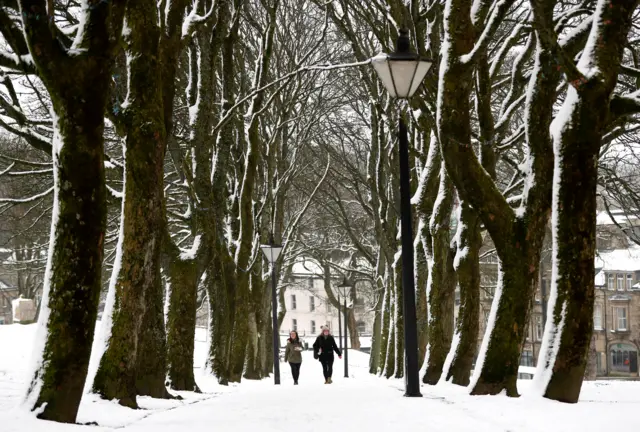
x,y
361,402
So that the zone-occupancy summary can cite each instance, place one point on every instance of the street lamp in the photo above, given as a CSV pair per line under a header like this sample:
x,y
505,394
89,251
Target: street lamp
x,y
272,252
345,289
401,73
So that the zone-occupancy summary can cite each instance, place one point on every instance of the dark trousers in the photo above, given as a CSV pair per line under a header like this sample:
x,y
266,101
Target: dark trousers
x,y
295,371
327,366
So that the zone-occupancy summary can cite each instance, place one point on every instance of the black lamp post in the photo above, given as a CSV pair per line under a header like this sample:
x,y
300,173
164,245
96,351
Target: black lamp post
x,y
272,252
401,73
345,289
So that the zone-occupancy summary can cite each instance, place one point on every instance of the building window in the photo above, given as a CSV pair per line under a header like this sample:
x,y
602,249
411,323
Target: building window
x,y
621,318
610,281
624,358
598,364
293,302
313,327
294,325
597,317
629,281
310,283
620,282
362,327
539,328
312,303
526,359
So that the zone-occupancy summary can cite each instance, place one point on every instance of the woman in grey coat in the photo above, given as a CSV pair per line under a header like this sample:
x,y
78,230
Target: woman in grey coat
x,y
293,355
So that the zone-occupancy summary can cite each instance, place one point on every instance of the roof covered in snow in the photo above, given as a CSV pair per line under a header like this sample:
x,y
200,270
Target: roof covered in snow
x,y
624,260
619,217
306,267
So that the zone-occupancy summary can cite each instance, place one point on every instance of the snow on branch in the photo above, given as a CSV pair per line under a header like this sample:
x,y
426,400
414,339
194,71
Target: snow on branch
x,y
26,200
490,28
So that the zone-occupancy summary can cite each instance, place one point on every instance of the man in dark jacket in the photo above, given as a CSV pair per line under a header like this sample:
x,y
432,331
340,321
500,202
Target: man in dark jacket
x,y
323,349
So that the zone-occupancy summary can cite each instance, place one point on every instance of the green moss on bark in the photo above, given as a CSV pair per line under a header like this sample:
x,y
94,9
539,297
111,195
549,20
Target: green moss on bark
x,y
76,259
138,287
181,323
468,274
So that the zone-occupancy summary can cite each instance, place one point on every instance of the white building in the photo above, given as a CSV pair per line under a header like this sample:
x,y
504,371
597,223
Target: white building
x,y
308,308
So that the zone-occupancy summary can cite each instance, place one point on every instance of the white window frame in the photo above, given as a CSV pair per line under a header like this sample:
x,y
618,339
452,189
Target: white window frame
x,y
629,281
621,319
610,282
597,317
294,303
620,282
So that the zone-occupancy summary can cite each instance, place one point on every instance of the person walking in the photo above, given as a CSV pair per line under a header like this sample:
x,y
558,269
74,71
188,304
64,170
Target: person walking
x,y
323,349
293,355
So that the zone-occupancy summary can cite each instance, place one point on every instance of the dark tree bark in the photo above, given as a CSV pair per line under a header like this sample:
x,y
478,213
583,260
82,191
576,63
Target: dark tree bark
x,y
443,283
577,135
78,85
467,269
181,322
517,239
245,239
138,336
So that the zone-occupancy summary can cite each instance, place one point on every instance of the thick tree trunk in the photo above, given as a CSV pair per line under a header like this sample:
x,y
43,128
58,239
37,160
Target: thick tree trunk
x,y
253,368
467,266
397,328
518,237
577,133
509,315
78,84
442,278
219,283
385,315
151,362
354,337
138,288
74,268
422,275
181,322
376,334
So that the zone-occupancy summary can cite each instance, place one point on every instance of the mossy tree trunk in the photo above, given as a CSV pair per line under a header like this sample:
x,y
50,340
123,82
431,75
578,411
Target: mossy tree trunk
x,y
133,364
467,267
246,235
517,239
443,283
205,49
577,134
182,278
78,85
468,238
220,273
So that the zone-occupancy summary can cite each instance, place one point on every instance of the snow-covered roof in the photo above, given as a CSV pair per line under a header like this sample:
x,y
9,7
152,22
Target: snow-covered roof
x,y
306,267
603,218
624,260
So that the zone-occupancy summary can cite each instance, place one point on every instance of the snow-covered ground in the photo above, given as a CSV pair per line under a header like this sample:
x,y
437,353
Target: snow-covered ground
x,y
361,402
